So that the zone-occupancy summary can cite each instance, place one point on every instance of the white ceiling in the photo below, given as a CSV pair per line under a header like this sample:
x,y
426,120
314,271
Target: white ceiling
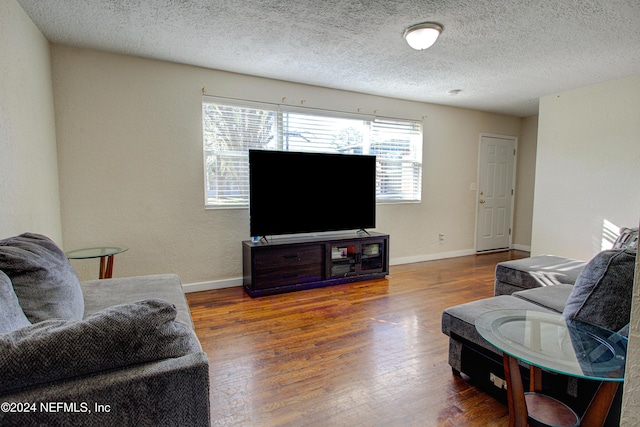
x,y
502,54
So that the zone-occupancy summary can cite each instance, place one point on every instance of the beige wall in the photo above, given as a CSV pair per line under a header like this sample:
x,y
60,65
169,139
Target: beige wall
x,y
587,167
525,184
587,178
130,149
631,396
29,196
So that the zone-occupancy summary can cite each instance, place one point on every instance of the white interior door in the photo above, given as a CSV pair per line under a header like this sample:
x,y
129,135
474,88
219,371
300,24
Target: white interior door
x,y
495,193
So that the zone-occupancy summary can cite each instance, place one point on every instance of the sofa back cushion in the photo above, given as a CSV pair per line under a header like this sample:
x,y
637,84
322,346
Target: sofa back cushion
x,y
603,291
46,284
11,315
118,336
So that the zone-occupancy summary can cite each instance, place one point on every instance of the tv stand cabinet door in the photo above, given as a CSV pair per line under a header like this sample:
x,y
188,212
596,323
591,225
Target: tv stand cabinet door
x,y
358,257
374,258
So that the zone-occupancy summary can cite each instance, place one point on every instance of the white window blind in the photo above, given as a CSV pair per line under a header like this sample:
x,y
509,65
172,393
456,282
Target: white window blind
x,y
398,149
229,131
231,128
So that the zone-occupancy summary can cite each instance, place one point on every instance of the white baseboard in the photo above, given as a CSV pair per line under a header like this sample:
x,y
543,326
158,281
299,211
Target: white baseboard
x,y
432,257
521,248
215,284
229,283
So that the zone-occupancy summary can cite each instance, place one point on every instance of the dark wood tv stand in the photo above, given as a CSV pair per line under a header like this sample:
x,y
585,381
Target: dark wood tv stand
x,y
292,264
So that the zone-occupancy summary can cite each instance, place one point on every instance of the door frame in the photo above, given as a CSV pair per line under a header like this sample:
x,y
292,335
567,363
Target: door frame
x,y
513,186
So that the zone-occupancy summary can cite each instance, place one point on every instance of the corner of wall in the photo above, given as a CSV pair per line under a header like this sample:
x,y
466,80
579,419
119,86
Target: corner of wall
x,y
28,165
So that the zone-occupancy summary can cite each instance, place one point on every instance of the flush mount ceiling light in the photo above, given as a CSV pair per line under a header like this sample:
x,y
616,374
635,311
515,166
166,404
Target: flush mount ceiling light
x,y
422,36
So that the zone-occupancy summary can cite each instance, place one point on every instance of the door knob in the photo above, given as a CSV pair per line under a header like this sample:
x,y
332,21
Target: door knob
x,y
482,201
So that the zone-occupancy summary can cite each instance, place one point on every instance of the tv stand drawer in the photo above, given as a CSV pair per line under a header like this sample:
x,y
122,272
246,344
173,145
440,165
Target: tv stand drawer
x,y
275,277
288,256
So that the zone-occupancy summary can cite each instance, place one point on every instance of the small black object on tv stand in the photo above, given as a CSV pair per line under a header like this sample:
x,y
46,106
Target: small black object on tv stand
x,y
297,263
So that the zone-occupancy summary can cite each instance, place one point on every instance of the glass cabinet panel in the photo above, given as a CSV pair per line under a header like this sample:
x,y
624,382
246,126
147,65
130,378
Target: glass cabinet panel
x,y
343,259
372,257
355,258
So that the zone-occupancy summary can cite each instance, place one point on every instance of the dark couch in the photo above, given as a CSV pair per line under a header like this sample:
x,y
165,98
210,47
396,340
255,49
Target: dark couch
x,y
598,292
116,352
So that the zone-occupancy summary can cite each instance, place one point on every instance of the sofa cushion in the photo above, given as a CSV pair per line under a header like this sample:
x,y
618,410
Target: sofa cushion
x,y
551,297
543,270
119,336
11,315
46,284
603,291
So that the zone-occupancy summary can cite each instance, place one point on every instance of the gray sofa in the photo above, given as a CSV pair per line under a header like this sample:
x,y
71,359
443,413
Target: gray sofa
x,y
597,292
104,352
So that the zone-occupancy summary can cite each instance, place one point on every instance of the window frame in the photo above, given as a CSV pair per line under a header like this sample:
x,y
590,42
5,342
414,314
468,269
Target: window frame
x,y
408,171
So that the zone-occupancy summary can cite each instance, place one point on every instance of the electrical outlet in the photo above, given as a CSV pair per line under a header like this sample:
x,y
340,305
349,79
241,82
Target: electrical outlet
x,y
440,237
497,381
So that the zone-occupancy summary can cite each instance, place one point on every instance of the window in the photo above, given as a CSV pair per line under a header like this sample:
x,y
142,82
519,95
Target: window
x,y
232,128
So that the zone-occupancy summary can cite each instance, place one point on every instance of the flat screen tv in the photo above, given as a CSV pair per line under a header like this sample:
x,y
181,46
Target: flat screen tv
x,y
294,192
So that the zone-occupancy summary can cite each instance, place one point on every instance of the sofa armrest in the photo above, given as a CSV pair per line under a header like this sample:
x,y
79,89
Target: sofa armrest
x,y
538,271
168,392
104,293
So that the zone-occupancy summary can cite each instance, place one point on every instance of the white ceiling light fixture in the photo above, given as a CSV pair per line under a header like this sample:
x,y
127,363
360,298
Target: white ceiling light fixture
x,y
422,36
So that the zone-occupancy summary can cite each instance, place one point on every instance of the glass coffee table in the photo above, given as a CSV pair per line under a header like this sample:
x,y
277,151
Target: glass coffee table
x,y
549,342
105,253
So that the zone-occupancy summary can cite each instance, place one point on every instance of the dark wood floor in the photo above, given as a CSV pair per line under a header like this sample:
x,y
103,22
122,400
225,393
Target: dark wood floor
x,y
362,354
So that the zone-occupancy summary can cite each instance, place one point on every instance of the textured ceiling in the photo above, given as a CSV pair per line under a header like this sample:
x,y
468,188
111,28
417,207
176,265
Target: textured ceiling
x,y
503,55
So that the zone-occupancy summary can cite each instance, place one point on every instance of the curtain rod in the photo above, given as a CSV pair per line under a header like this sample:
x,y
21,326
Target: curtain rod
x,y
284,106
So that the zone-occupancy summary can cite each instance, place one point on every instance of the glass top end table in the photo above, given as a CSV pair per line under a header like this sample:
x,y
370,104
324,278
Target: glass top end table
x,y
547,341
105,253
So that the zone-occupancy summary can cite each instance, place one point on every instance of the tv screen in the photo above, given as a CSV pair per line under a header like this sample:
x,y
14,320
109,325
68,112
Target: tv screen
x,y
292,192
